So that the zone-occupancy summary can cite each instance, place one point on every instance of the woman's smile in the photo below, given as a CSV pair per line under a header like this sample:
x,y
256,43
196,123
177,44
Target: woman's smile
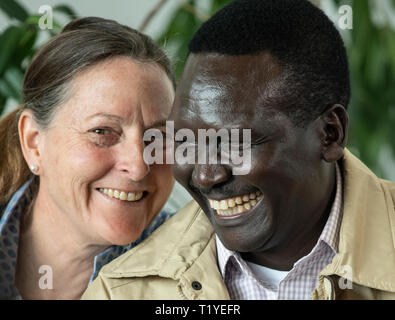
x,y
123,195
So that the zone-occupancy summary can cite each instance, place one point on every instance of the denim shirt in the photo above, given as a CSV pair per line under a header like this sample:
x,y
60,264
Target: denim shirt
x,y
9,239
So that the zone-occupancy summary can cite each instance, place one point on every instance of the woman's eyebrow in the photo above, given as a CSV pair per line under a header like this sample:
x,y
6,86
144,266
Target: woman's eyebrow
x,y
156,124
106,115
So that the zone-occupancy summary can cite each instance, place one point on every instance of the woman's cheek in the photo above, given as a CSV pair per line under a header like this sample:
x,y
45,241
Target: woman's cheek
x,y
91,161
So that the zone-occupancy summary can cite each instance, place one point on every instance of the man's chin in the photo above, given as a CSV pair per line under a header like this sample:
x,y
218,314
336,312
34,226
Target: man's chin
x,y
244,234
232,241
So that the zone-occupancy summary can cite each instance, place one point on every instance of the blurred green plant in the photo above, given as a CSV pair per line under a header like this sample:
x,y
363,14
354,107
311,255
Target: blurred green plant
x,y
17,46
184,23
371,52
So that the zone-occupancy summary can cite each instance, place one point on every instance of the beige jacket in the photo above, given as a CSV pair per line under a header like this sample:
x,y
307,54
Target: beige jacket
x,y
182,251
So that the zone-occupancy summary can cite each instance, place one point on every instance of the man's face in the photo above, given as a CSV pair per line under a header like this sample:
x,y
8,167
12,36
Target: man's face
x,y
286,173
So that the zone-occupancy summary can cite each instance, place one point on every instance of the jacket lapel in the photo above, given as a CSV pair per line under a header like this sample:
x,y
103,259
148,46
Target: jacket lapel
x,y
367,233
182,249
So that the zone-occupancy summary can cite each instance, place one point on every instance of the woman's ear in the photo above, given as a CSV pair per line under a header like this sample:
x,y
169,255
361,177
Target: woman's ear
x,y
334,133
29,138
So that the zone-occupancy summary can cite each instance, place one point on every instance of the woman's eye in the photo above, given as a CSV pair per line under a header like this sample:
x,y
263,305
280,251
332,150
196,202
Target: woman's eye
x,y
105,137
101,131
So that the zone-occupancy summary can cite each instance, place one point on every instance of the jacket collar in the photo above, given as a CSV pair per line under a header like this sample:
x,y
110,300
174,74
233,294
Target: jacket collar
x,y
367,234
182,249
173,242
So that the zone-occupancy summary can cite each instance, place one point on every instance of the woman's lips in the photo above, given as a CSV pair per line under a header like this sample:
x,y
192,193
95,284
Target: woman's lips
x,y
235,206
122,195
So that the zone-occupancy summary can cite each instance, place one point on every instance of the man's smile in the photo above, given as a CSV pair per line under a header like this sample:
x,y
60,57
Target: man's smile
x,y
236,205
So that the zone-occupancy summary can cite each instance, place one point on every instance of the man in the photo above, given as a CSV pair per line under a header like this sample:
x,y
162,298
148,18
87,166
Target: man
x,y
311,221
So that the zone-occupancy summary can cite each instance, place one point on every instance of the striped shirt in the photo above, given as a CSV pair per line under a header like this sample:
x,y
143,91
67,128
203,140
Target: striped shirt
x,y
300,282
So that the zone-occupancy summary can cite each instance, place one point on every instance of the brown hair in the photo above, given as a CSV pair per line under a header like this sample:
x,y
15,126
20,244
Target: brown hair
x,y
81,44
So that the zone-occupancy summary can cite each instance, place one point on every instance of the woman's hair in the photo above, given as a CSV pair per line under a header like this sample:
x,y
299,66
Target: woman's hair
x,y
81,44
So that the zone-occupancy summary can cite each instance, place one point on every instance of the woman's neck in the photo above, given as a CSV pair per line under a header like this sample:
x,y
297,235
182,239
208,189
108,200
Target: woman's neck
x,y
53,253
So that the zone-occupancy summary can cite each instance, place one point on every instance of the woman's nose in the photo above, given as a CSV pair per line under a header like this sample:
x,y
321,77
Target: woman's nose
x,y
206,176
131,160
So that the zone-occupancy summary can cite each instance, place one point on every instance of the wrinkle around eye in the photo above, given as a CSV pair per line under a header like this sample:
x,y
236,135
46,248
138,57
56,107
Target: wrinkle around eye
x,y
104,139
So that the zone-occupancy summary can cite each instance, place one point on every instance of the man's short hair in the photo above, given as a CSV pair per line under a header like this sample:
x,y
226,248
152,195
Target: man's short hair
x,y
303,40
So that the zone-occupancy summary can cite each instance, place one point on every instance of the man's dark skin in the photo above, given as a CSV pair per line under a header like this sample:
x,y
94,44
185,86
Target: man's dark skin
x,y
293,166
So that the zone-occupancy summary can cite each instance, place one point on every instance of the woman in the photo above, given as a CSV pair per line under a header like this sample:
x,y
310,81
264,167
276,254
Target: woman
x,y
75,190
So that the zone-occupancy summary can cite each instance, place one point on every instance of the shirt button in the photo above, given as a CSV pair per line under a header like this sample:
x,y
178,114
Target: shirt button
x,y
196,285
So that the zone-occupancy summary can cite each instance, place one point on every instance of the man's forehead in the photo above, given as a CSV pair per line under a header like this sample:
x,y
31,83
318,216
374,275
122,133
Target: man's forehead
x,y
227,85
231,68
257,118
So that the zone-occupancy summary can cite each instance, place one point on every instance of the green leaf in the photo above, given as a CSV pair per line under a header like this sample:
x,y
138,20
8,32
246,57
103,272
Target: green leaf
x,y
66,10
16,43
3,101
8,45
33,19
7,90
14,10
179,32
218,5
25,44
14,78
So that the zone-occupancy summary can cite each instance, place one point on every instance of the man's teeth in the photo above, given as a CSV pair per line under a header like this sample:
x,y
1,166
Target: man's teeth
x,y
122,195
236,205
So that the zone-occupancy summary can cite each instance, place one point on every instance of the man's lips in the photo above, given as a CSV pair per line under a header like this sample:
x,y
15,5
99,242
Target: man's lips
x,y
235,206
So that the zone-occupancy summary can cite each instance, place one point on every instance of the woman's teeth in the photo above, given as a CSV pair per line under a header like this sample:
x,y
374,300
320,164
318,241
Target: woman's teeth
x,y
122,195
236,205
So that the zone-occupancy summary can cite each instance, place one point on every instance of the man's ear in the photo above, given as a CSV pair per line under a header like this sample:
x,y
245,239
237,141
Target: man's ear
x,y
29,138
334,133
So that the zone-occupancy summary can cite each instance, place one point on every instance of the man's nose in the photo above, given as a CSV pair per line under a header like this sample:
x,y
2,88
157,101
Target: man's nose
x,y
131,160
206,176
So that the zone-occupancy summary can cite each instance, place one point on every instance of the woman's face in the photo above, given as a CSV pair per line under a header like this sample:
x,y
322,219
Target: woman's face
x,y
94,145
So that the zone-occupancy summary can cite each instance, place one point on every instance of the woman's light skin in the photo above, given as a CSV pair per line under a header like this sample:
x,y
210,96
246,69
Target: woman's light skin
x,y
94,141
